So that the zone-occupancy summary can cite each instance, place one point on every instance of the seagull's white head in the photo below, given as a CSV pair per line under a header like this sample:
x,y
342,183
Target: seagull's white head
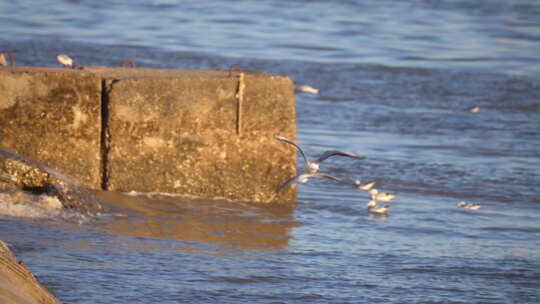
x,y
314,167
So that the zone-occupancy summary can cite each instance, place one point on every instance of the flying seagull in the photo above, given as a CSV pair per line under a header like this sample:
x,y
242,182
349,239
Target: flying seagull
x,y
313,166
304,177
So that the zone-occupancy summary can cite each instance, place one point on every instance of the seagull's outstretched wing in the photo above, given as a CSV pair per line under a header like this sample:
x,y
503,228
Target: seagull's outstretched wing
x,y
292,180
302,178
330,153
324,175
306,160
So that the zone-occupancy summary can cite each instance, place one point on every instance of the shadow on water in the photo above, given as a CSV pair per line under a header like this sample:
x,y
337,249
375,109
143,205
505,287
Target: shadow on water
x,y
233,224
237,225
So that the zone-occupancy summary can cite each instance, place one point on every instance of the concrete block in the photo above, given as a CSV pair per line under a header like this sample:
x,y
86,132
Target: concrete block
x,y
152,130
179,135
53,116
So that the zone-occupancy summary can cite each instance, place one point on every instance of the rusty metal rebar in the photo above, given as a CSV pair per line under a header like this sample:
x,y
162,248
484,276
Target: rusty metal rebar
x,y
128,62
234,67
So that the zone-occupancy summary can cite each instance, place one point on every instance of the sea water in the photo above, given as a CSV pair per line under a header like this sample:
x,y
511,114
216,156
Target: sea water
x,y
396,81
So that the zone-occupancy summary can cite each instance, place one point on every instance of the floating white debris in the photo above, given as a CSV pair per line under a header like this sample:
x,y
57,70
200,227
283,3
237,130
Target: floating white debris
x,y
306,89
474,109
64,60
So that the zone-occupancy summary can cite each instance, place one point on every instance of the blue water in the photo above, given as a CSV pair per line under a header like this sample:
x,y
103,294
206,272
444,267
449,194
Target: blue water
x,y
396,79
492,35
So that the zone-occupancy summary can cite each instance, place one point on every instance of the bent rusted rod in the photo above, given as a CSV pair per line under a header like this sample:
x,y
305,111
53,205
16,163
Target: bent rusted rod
x,y
234,67
128,61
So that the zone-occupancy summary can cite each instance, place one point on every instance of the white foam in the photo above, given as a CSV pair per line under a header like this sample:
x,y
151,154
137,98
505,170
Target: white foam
x,y
178,195
21,204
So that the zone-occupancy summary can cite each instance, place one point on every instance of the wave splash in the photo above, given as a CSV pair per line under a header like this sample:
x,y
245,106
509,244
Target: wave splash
x,y
52,196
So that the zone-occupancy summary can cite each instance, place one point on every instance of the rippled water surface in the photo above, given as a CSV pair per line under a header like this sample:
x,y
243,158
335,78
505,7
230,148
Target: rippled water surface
x,y
397,79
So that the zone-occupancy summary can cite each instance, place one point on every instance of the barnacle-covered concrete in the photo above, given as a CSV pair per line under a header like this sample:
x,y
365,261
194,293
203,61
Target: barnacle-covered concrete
x,y
152,130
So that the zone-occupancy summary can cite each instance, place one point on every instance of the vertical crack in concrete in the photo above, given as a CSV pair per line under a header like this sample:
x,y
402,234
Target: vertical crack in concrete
x,y
105,135
240,99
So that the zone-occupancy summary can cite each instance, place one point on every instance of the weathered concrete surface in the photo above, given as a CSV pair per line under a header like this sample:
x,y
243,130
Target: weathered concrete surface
x,y
163,130
52,116
179,135
17,284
